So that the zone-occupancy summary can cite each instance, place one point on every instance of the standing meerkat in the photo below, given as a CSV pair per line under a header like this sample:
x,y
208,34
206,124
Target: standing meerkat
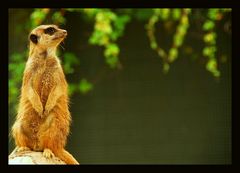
x,y
43,119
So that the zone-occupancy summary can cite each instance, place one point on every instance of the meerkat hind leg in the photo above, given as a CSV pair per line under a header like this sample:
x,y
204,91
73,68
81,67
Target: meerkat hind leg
x,y
47,153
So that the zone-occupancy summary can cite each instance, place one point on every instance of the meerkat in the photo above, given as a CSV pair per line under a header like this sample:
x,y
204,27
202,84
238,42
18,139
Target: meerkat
x,y
43,118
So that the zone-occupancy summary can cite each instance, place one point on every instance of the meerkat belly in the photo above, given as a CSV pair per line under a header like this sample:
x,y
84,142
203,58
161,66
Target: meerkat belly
x,y
45,84
30,127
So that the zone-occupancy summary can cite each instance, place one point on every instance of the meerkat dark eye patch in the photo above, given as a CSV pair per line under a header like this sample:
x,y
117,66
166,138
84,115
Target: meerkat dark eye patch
x,y
34,38
50,31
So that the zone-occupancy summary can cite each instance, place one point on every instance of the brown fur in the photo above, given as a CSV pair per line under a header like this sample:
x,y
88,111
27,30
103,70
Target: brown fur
x,y
43,118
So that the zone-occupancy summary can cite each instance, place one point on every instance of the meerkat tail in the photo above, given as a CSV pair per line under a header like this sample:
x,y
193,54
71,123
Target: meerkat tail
x,y
67,157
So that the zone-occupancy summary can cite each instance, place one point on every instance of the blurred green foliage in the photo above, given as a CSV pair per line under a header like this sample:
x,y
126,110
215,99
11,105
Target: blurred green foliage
x,y
209,38
85,86
109,26
107,29
69,61
163,15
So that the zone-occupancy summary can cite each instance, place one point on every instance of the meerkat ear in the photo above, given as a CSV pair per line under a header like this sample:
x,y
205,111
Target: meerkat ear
x,y
34,38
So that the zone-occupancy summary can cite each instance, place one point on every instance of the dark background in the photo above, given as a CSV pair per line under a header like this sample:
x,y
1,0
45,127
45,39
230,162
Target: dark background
x,y
138,114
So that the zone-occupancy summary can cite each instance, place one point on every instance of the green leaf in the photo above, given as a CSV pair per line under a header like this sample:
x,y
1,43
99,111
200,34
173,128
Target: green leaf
x,y
176,14
188,10
70,9
143,14
182,29
153,20
91,12
111,50
85,86
98,38
210,38
58,18
206,51
68,69
104,26
212,67
105,16
69,61
209,51
72,88
165,13
226,9
157,11
216,73
208,25
119,26
173,54
112,61
184,21
37,17
153,45
212,13
178,40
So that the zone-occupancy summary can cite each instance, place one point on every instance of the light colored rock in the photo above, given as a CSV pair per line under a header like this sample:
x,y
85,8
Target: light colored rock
x,y
32,158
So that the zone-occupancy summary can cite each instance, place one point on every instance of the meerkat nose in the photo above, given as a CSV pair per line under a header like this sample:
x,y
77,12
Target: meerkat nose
x,y
64,32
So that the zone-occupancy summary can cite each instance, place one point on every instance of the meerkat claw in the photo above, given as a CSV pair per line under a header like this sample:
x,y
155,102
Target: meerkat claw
x,y
47,153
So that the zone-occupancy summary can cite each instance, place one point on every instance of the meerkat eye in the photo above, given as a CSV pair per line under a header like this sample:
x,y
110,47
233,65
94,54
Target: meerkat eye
x,y
34,38
50,31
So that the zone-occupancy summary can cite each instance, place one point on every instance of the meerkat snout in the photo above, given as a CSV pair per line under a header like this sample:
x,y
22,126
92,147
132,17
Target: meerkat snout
x,y
65,32
60,34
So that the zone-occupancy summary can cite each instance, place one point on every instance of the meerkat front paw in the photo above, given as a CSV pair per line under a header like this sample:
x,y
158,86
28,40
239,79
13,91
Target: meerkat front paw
x,y
49,106
39,109
47,153
45,112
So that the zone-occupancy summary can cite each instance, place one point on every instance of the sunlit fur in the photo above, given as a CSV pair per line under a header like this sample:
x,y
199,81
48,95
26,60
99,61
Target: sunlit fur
x,y
43,118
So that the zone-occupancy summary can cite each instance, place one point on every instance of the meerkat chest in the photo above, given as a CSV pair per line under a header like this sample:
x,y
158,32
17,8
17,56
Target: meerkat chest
x,y
44,78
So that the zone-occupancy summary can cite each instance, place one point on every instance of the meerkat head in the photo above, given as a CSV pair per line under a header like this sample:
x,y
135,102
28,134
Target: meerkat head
x,y
46,37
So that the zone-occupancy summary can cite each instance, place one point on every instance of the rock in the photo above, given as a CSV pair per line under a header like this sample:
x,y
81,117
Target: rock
x,y
32,158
